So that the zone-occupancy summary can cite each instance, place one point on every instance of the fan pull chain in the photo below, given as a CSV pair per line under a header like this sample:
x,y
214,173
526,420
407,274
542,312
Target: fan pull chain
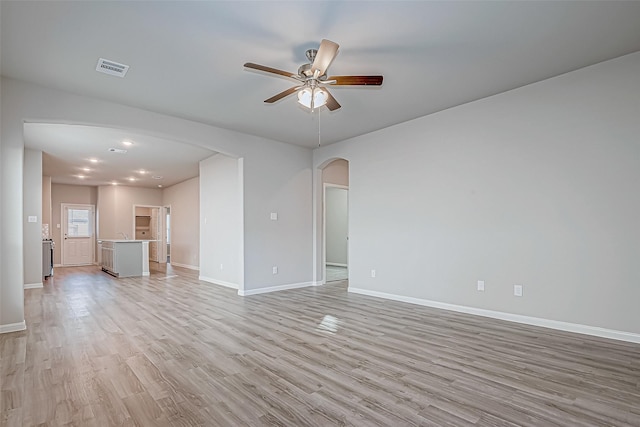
x,y
318,128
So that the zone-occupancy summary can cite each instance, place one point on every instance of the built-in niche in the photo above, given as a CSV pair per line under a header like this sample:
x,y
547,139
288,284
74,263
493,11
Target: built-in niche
x,y
143,223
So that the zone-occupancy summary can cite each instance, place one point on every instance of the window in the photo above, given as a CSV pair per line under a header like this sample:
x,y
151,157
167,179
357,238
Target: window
x,y
78,223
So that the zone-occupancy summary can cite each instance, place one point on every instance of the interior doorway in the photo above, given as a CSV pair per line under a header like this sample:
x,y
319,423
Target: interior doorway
x,y
335,221
336,233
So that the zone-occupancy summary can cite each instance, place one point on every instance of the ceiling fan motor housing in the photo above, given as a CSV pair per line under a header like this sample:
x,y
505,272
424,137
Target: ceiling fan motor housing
x,y
305,71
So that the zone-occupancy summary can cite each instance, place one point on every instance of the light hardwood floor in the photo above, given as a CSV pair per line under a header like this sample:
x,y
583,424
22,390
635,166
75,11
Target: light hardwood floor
x,y
169,350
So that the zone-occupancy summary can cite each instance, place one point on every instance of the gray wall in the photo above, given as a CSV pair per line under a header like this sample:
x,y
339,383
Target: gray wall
x,y
221,219
11,216
277,178
536,186
185,228
46,201
32,194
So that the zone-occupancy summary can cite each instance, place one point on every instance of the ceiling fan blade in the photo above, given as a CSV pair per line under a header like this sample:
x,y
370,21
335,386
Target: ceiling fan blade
x,y
324,57
271,70
331,104
356,80
282,95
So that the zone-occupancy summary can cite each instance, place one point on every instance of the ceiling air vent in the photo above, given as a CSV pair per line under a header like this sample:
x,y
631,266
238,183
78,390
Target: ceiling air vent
x,y
117,150
112,68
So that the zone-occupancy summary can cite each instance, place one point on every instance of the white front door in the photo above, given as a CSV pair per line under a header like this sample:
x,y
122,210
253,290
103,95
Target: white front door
x,y
77,234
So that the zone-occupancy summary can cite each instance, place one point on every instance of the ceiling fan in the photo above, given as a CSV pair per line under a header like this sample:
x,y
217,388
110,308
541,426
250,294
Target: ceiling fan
x,y
312,78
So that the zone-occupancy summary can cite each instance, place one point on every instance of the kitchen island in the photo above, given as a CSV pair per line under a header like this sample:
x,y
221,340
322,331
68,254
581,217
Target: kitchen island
x,y
125,258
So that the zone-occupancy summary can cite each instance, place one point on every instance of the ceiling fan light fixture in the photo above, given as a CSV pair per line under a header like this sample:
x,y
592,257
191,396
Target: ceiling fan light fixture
x,y
306,95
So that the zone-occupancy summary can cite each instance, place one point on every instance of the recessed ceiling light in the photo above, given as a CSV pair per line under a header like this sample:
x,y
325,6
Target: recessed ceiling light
x,y
114,183
159,185
81,176
132,179
86,169
93,160
142,171
127,143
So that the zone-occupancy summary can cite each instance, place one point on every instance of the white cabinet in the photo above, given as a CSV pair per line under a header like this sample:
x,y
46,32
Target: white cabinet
x,y
122,258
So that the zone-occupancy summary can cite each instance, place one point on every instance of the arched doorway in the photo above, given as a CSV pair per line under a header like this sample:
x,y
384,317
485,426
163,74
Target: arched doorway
x,y
335,215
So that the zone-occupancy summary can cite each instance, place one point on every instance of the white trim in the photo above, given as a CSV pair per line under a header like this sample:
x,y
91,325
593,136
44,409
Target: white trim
x,y
57,265
190,267
13,327
336,264
247,292
32,285
240,220
510,317
218,282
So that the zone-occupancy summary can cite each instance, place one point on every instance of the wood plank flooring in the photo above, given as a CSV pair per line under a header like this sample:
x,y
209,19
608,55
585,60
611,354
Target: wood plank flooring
x,y
169,350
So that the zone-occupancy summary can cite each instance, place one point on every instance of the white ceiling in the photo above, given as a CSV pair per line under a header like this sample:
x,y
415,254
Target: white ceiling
x,y
187,58
148,162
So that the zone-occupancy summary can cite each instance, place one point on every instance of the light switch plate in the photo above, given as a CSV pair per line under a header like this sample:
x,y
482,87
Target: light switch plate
x,y
274,216
33,218
517,290
481,285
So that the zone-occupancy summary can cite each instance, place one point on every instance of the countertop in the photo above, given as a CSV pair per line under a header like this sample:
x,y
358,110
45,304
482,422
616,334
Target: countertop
x,y
124,240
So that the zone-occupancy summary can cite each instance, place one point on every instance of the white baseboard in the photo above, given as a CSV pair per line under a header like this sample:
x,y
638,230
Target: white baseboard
x,y
336,264
517,318
219,282
57,265
247,292
13,327
190,267
32,285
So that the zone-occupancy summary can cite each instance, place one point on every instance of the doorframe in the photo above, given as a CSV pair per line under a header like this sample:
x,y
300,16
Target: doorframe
x,y
164,232
326,185
64,222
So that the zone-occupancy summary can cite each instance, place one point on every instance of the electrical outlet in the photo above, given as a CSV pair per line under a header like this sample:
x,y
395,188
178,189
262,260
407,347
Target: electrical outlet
x,y
373,273
221,267
274,216
517,290
275,270
481,285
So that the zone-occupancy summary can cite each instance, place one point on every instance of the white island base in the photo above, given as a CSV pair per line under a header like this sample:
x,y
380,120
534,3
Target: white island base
x,y
125,258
